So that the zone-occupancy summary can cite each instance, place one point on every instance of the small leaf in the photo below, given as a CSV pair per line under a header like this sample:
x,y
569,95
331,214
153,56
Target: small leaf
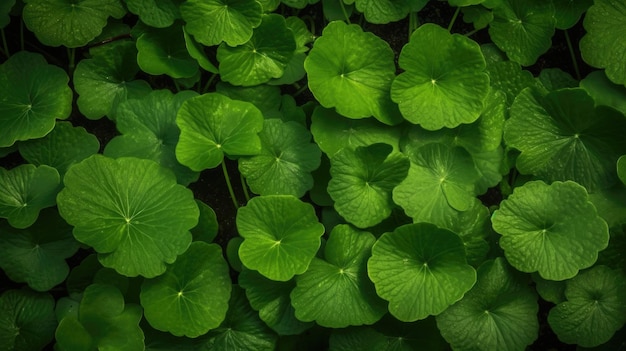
x,y
155,13
27,320
214,21
420,269
24,191
438,93
197,52
336,292
131,211
352,70
604,92
70,23
621,168
281,235
362,180
212,125
286,160
163,51
33,94
558,241
207,227
5,9
567,12
191,297
595,308
499,313
265,97
385,11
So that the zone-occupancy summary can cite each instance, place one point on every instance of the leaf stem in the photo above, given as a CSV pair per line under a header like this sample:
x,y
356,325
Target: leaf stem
x,y
208,83
22,35
229,185
572,54
472,32
345,12
5,46
301,90
413,22
176,85
456,14
245,187
71,54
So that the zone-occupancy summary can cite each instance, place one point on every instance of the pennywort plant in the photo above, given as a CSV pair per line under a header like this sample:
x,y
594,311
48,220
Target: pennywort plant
x,y
312,175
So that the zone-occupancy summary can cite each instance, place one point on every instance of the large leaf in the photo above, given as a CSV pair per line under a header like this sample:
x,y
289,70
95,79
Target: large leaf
x,y
263,57
286,160
131,211
336,292
558,240
33,95
191,297
420,269
27,320
37,255
595,308
352,70
362,180
214,21
604,45
499,313
281,235
212,125
436,92
523,28
71,23
25,190
562,136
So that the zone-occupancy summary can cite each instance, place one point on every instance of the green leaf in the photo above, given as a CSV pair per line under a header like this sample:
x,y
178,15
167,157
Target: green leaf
x,y
281,235
242,330
441,181
70,23
286,160
149,130
107,79
336,292
510,78
263,57
357,338
104,322
37,255
60,149
438,93
352,70
499,313
24,191
33,94
207,227
214,21
155,13
191,297
567,12
385,11
558,240
604,92
562,136
131,211
621,168
163,51
27,320
420,269
479,16
196,51
595,308
333,132
212,125
5,9
604,43
265,97
523,29
555,79
271,299
362,180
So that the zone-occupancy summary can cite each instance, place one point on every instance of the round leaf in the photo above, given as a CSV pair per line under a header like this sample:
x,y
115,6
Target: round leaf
x,y
214,21
499,313
5,9
604,45
420,269
352,70
436,92
552,229
27,320
155,13
286,160
263,57
336,292
362,180
523,29
604,92
567,12
131,211
33,95
595,308
191,297
163,51
212,125
24,191
281,235
71,23
562,136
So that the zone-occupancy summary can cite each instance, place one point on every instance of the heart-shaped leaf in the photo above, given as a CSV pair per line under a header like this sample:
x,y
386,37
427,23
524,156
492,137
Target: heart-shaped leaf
x,y
164,51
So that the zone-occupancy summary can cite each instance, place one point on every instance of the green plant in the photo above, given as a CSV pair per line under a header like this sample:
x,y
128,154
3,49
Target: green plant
x,y
312,175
